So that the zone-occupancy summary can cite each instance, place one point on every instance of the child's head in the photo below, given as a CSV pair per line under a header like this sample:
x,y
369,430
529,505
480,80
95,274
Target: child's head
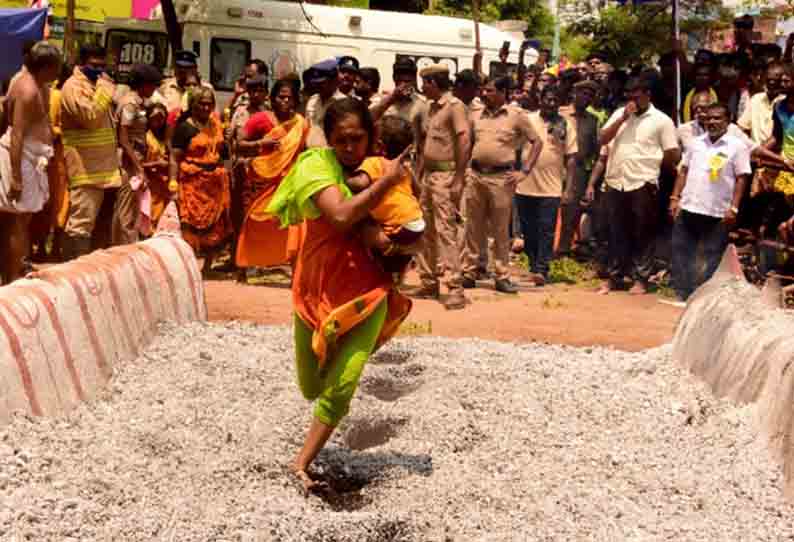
x,y
157,115
394,136
350,131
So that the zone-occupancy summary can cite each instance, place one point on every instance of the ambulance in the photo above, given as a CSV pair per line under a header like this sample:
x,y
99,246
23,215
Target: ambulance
x,y
291,36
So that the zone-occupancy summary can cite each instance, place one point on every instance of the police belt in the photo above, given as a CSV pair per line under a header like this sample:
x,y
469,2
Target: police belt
x,y
436,166
490,170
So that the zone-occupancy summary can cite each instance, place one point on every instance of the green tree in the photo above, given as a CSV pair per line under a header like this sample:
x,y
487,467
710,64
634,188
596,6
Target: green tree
x,y
533,12
628,34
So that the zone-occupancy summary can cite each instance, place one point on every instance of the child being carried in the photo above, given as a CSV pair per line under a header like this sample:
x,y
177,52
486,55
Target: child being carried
x,y
399,213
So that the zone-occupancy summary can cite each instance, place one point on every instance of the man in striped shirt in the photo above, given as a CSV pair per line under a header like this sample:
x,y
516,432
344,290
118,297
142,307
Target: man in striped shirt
x,y
90,147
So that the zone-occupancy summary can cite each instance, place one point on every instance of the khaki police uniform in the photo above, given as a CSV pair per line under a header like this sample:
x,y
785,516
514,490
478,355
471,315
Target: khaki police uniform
x,y
315,114
172,95
442,124
489,197
132,115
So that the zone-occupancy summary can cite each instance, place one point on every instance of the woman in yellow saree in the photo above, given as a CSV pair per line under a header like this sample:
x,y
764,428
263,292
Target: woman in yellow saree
x,y
156,161
281,137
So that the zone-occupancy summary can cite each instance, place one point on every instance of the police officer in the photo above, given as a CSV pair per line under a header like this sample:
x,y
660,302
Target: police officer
x,y
499,129
173,89
349,73
324,77
443,143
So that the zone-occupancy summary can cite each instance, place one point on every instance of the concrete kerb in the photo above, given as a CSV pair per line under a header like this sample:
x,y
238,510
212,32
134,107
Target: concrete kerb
x,y
64,329
737,339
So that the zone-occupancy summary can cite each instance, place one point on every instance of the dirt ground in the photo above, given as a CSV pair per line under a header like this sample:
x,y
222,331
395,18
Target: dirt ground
x,y
571,315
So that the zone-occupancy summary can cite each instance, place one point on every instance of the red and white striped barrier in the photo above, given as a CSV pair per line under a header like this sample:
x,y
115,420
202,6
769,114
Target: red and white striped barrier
x,y
64,329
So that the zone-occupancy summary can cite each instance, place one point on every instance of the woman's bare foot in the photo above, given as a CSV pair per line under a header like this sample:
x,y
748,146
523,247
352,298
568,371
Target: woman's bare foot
x,y
308,484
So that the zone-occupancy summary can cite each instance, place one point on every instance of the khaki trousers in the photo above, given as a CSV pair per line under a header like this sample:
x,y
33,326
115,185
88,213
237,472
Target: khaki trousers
x,y
85,203
484,243
488,203
440,201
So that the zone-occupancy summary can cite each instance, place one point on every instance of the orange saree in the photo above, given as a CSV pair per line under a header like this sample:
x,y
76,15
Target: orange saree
x,y
336,283
156,151
262,242
204,196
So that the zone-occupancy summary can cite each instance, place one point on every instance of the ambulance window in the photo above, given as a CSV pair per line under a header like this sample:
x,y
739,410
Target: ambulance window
x,y
227,62
128,47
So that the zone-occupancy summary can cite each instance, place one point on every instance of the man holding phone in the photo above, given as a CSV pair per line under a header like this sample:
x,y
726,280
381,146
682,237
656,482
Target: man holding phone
x,y
641,142
403,101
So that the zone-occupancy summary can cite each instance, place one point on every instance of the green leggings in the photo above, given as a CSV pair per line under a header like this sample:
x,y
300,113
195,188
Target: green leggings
x,y
334,387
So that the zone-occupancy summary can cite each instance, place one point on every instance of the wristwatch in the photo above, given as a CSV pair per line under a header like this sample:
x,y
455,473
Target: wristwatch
x,y
735,210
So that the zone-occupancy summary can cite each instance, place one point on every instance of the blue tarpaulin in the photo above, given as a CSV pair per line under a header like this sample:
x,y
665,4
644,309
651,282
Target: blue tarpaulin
x,y
18,26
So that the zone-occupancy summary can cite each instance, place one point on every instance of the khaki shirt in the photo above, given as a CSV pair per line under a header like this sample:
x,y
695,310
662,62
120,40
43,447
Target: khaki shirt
x,y
132,115
546,178
497,135
172,95
409,110
636,153
443,123
315,114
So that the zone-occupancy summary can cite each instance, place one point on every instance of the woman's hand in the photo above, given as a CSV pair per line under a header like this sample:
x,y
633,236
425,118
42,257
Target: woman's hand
x,y
268,144
373,237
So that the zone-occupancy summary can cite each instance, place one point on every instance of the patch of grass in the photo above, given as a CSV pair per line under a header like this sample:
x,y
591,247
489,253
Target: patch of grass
x,y
569,271
665,290
523,261
414,329
551,302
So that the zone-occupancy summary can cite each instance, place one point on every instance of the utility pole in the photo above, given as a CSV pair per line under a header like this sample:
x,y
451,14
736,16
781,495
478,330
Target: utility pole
x,y
172,25
69,41
554,7
477,63
677,36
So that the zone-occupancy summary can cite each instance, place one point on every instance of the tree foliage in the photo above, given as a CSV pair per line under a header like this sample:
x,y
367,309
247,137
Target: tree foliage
x,y
534,12
628,35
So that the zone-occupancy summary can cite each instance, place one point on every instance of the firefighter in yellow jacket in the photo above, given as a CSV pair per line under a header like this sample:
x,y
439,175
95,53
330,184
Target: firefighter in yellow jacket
x,y
90,148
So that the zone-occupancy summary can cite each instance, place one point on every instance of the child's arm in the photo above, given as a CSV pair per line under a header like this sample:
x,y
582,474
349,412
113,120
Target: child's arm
x,y
358,182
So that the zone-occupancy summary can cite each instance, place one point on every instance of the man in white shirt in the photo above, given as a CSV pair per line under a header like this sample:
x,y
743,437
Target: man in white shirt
x,y
706,199
691,131
642,140
757,117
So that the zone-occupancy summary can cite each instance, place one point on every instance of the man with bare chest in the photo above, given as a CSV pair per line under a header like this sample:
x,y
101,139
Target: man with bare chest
x,y
25,149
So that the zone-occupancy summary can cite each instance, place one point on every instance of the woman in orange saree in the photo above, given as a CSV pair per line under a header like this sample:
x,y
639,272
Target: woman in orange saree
x,y
346,305
197,151
281,136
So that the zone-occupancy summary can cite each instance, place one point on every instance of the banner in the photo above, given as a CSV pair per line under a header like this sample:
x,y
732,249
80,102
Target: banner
x,y
84,10
16,28
141,9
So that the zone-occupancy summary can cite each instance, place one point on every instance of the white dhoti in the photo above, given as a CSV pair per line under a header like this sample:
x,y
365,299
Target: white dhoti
x,y
35,182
